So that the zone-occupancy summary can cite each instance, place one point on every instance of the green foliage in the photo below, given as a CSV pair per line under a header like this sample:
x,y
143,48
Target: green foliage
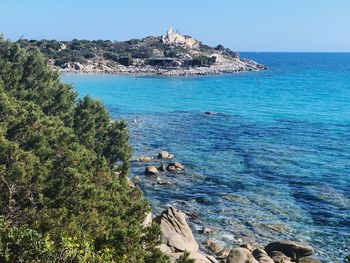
x,y
185,258
64,194
21,244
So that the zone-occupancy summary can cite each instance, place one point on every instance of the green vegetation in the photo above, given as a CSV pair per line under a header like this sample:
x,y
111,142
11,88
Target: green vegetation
x,y
64,164
114,53
185,258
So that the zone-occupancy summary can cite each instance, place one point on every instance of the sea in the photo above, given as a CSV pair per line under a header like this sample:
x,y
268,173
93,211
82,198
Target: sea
x,y
271,162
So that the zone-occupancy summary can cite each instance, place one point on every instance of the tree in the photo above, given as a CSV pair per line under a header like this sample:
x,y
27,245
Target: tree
x,y
63,172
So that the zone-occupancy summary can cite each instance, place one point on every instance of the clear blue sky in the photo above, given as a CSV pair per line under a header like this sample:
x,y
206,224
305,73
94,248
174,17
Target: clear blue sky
x,y
243,25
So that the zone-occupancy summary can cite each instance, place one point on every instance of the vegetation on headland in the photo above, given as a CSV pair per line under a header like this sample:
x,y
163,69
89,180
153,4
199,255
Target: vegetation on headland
x,y
170,54
146,51
64,164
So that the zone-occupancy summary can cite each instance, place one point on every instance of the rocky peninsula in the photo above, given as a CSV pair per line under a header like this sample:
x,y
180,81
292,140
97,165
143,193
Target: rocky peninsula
x,y
171,54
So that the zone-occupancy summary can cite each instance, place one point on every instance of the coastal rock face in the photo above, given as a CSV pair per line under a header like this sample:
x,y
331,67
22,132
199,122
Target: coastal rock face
x,y
261,256
291,249
240,255
151,170
176,233
165,155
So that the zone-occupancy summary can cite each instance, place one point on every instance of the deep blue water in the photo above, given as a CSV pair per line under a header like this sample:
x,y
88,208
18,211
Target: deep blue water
x,y
274,163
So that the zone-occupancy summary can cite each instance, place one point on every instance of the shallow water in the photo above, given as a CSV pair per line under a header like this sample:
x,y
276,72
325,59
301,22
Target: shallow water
x,y
272,164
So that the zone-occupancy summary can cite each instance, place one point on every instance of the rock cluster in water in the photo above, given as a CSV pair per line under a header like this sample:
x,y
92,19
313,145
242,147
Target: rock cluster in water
x,y
177,236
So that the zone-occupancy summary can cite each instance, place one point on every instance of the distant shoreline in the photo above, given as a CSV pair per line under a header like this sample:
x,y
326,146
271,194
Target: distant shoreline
x,y
153,71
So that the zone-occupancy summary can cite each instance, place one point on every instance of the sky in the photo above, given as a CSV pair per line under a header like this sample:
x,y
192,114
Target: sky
x,y
242,25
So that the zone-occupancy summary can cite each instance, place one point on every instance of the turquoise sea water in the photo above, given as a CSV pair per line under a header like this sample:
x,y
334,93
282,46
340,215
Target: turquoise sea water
x,y
274,163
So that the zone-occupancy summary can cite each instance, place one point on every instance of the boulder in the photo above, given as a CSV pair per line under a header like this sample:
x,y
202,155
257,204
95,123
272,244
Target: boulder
x,y
291,249
175,166
212,246
143,159
240,255
151,170
165,155
161,181
162,168
278,256
136,179
175,231
261,256
247,246
147,221
198,257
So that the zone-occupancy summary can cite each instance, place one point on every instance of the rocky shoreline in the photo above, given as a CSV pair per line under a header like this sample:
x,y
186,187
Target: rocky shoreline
x,y
177,237
239,66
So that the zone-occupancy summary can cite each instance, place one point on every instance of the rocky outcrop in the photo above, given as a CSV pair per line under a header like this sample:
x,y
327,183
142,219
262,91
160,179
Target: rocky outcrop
x,y
291,249
176,233
240,255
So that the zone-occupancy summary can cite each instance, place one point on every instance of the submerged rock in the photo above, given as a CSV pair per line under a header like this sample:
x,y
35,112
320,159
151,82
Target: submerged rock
x,y
143,159
240,255
136,179
151,170
291,249
175,231
206,230
165,155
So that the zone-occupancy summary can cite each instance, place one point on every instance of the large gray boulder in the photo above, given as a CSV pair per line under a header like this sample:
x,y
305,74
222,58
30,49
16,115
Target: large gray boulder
x,y
151,170
175,231
165,155
240,255
175,166
261,256
291,249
